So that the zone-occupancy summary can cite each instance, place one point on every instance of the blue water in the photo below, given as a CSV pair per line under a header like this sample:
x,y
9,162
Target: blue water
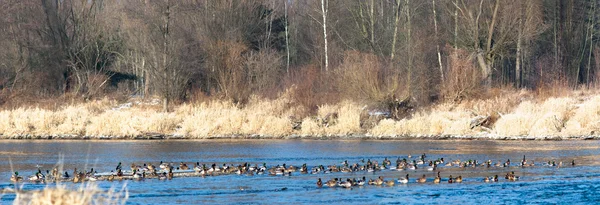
x,y
540,184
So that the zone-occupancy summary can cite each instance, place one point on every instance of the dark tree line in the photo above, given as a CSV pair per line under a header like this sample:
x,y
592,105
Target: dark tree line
x,y
373,50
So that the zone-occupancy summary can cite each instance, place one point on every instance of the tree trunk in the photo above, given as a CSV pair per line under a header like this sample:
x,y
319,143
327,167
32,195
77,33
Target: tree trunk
x,y
437,45
166,86
324,8
396,19
518,57
591,31
287,40
409,44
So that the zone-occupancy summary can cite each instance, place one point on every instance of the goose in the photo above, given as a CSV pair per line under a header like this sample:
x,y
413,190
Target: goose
x,y
437,178
403,180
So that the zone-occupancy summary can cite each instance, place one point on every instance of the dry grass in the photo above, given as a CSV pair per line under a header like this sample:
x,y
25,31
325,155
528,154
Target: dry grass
x,y
62,195
521,114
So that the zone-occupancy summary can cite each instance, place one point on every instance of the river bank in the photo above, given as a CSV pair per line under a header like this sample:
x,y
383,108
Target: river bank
x,y
509,116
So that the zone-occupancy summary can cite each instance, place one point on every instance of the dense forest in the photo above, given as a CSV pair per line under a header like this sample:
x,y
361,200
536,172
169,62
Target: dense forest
x,y
328,50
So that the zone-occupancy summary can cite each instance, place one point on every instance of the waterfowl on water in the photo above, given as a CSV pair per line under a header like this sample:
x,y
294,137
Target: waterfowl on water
x,y
345,184
183,166
458,179
450,179
162,176
486,179
573,163
495,178
390,182
15,177
403,180
332,183
511,176
118,166
163,166
423,179
379,180
319,183
361,182
437,178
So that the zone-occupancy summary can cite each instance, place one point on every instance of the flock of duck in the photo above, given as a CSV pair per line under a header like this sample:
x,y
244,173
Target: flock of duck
x,y
167,171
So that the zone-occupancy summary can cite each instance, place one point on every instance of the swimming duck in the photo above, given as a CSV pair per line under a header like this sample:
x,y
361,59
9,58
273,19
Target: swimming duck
x,y
389,183
361,182
137,176
495,178
162,176
304,169
432,167
573,163
403,180
15,177
458,179
450,179
379,181
332,183
183,166
437,178
170,174
486,179
511,176
423,179
346,184
163,166
319,183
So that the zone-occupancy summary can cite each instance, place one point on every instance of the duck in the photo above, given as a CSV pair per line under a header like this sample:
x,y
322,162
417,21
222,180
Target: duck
x,y
458,179
163,166
390,183
332,183
486,179
573,163
319,183
403,180
183,166
346,184
170,174
432,167
118,166
495,178
423,179
111,177
511,176
450,179
379,181
16,178
162,176
361,182
437,178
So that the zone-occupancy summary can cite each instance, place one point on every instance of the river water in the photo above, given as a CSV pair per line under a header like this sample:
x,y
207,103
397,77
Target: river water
x,y
579,184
